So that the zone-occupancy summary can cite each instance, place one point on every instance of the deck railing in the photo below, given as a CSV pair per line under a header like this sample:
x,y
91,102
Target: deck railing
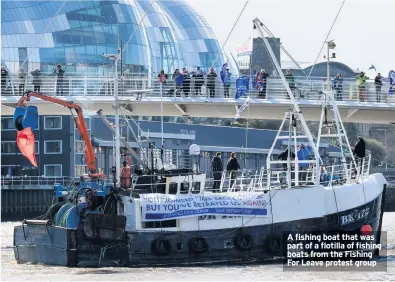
x,y
244,180
127,85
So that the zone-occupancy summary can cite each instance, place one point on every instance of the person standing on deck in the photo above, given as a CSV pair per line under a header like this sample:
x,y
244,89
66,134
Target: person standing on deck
x,y
232,167
303,155
359,151
217,168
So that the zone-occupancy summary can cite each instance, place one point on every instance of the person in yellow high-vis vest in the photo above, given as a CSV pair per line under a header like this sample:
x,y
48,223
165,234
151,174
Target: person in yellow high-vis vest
x,y
361,84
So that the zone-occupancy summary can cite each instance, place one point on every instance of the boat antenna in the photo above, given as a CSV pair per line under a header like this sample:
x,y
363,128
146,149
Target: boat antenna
x,y
326,39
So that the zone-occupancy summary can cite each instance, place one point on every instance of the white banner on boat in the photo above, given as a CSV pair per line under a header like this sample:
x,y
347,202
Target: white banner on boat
x,y
157,207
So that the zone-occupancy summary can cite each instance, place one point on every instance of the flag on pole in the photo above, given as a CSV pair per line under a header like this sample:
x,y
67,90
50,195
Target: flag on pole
x,y
242,108
372,68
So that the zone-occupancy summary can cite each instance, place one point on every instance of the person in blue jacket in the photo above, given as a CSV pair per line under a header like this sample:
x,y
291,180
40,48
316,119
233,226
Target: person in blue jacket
x,y
226,81
303,155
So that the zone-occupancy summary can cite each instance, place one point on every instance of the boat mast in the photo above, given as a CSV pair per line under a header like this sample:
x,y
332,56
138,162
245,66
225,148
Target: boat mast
x,y
296,110
115,57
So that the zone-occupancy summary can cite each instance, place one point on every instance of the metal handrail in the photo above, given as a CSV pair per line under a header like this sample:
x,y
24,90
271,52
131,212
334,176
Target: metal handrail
x,y
104,86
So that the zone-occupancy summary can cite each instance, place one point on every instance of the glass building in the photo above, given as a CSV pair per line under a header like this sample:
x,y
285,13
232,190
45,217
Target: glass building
x,y
167,35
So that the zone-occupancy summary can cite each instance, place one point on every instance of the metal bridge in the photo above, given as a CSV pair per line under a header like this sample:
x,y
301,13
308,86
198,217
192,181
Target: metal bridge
x,y
140,95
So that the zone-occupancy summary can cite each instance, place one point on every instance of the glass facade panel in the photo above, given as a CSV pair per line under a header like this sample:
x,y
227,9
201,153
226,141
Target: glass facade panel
x,y
83,31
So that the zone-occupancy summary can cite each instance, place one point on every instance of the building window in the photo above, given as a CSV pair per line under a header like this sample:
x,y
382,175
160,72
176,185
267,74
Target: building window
x,y
53,170
10,148
79,147
53,147
80,170
7,123
53,122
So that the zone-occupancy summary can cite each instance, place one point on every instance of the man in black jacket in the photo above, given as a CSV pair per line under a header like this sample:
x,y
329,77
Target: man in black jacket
x,y
359,152
217,168
232,166
211,78
199,81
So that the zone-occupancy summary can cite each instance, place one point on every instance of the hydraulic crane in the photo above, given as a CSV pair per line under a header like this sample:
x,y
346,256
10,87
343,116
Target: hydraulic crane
x,y
79,123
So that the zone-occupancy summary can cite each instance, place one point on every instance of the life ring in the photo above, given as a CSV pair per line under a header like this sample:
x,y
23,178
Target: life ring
x,y
274,244
243,242
197,245
161,247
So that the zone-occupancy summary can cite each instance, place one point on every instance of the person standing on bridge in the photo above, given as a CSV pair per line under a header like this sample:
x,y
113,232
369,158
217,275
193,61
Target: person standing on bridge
x,y
338,86
261,82
199,81
4,74
186,85
217,168
378,83
36,80
178,79
59,72
361,83
22,80
291,81
211,78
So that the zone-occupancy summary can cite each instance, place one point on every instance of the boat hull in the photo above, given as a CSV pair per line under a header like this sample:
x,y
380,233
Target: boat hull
x,y
54,245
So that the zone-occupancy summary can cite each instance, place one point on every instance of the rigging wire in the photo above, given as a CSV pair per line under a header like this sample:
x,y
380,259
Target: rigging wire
x,y
322,47
127,42
282,47
223,45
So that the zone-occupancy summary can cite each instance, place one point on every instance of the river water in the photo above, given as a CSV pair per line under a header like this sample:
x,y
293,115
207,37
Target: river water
x,y
10,270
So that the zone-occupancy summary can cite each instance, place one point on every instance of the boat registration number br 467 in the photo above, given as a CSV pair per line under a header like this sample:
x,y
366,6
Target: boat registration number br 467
x,y
354,216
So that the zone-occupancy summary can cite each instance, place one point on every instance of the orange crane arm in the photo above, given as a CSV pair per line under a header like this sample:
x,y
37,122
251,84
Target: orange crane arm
x,y
79,122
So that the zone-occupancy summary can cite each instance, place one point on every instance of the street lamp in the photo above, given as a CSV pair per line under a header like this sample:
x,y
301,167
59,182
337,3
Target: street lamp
x,y
330,45
385,145
115,58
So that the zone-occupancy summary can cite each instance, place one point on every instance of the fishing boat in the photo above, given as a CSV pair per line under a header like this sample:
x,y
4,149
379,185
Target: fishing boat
x,y
172,217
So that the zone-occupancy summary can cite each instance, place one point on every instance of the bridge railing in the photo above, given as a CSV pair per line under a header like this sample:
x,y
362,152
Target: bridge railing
x,y
129,84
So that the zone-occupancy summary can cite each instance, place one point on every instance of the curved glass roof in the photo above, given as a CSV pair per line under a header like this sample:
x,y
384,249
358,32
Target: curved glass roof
x,y
171,35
